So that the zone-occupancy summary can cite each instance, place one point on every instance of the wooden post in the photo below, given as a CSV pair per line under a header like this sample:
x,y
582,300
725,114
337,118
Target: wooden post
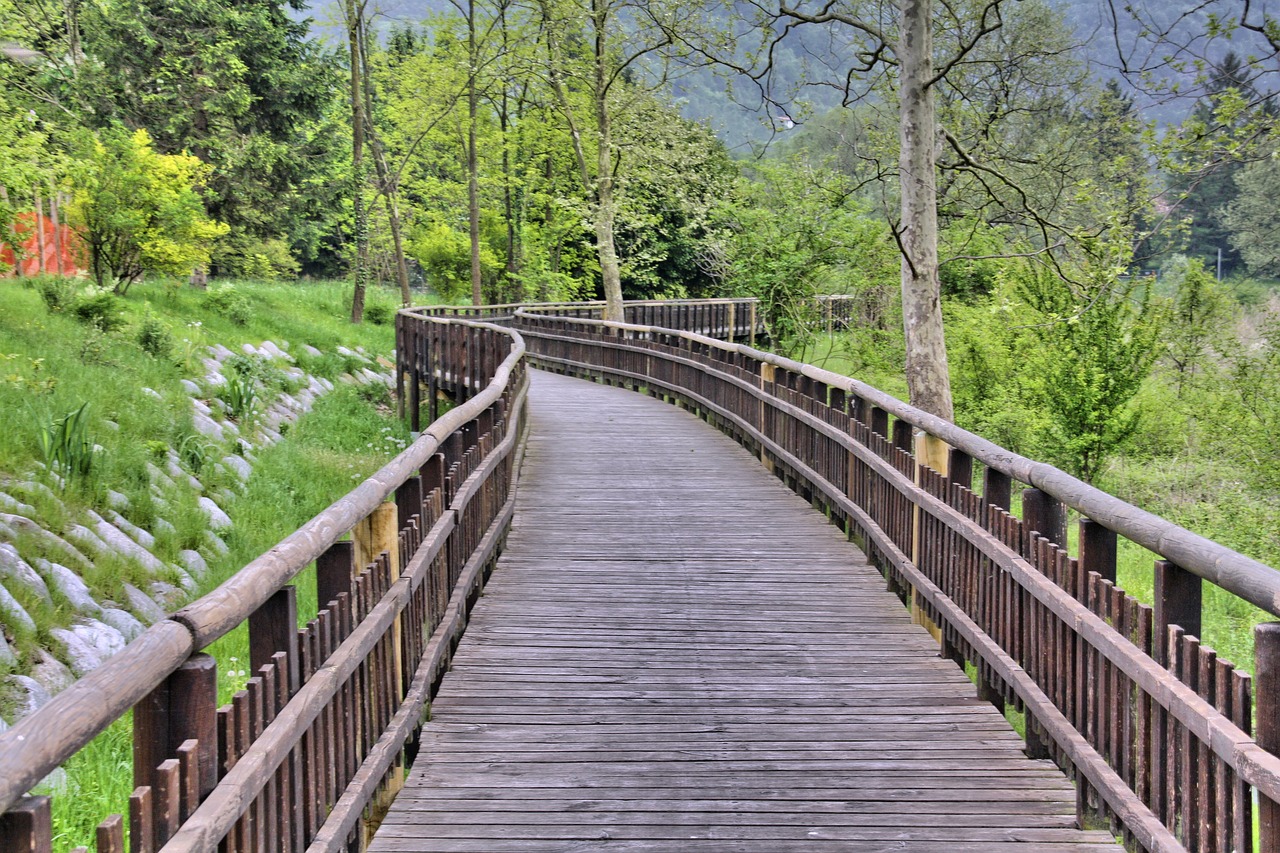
x,y
27,827
930,452
377,534
1178,594
1097,549
768,375
183,707
1266,668
273,627
753,325
1045,515
334,569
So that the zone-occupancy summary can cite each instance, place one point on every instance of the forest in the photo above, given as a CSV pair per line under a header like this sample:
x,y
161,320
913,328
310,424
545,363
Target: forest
x,y
1091,231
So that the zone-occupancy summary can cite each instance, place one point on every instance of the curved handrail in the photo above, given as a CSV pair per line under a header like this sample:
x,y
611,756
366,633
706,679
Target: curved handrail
x,y
1241,575
1150,721
39,743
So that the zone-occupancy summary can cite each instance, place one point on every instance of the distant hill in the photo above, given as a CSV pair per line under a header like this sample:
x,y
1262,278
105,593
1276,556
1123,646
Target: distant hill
x,y
743,121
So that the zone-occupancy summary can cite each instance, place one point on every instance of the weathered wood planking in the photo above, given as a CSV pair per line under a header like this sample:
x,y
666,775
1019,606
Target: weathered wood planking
x,y
677,653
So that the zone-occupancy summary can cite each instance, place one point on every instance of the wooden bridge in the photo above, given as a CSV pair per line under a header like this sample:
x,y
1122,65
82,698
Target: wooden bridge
x,y
734,635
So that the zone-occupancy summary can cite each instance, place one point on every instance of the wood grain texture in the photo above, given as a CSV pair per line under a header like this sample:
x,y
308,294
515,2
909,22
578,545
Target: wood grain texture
x,y
677,653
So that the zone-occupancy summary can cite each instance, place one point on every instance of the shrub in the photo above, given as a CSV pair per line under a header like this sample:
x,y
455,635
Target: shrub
x,y
97,307
230,303
379,313
57,292
154,336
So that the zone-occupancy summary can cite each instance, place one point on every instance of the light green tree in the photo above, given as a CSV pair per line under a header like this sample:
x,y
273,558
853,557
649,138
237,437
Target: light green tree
x,y
140,210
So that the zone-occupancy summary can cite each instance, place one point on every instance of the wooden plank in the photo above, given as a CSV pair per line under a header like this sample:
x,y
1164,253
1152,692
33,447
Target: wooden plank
x,y
676,653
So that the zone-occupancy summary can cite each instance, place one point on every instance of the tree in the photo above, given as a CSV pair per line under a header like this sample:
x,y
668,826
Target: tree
x,y
1252,219
1098,344
597,48
238,85
141,210
907,58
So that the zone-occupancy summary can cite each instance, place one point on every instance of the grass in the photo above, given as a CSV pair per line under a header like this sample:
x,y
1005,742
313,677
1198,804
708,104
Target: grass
x,y
52,364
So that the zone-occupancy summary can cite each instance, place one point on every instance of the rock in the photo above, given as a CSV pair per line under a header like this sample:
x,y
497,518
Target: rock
x,y
206,426
239,465
143,606
202,407
215,543
218,520
167,595
70,586
81,656
120,543
9,503
142,537
220,352
160,478
312,351
163,528
23,695
117,501
19,574
87,539
104,639
185,581
191,388
34,487
248,349
67,552
123,622
52,673
8,658
14,614
194,563
152,393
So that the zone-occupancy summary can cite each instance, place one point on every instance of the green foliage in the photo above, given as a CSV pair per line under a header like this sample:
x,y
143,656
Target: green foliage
x,y
154,336
140,210
245,257
97,307
1098,344
1201,311
445,256
227,301
66,446
379,313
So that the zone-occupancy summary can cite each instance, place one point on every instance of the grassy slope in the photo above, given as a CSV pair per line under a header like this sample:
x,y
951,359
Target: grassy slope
x,y
347,436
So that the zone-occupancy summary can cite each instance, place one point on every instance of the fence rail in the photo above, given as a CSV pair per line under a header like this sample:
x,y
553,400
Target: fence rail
x,y
1157,731
1152,725
315,745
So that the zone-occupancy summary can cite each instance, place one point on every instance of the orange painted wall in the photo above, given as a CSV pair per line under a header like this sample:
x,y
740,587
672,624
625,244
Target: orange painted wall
x,y
71,261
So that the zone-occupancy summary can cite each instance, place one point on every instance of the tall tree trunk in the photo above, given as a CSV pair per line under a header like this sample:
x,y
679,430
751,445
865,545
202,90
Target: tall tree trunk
x,y
360,265
473,166
605,212
386,182
928,382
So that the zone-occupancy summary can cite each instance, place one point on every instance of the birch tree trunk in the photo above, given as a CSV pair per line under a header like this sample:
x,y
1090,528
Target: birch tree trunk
x,y
610,275
928,381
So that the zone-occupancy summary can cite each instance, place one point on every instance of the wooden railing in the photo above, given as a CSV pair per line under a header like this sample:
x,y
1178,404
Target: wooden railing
x,y
1153,727
726,319
315,744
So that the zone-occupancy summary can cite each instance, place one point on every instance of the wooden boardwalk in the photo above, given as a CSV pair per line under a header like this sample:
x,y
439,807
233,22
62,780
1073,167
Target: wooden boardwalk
x,y
676,653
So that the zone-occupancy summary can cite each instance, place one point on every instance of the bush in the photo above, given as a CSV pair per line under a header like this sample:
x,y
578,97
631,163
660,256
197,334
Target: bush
x,y
154,336
230,303
379,313
97,307
58,293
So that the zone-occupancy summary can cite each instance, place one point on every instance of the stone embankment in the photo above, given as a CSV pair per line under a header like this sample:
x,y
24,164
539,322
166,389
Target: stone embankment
x,y
68,563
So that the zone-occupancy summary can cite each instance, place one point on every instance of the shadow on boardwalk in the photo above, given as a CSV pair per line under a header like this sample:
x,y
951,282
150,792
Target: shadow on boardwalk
x,y
676,653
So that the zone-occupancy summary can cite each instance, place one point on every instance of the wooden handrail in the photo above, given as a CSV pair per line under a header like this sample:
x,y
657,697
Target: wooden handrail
x,y
495,397
1130,715
1242,576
